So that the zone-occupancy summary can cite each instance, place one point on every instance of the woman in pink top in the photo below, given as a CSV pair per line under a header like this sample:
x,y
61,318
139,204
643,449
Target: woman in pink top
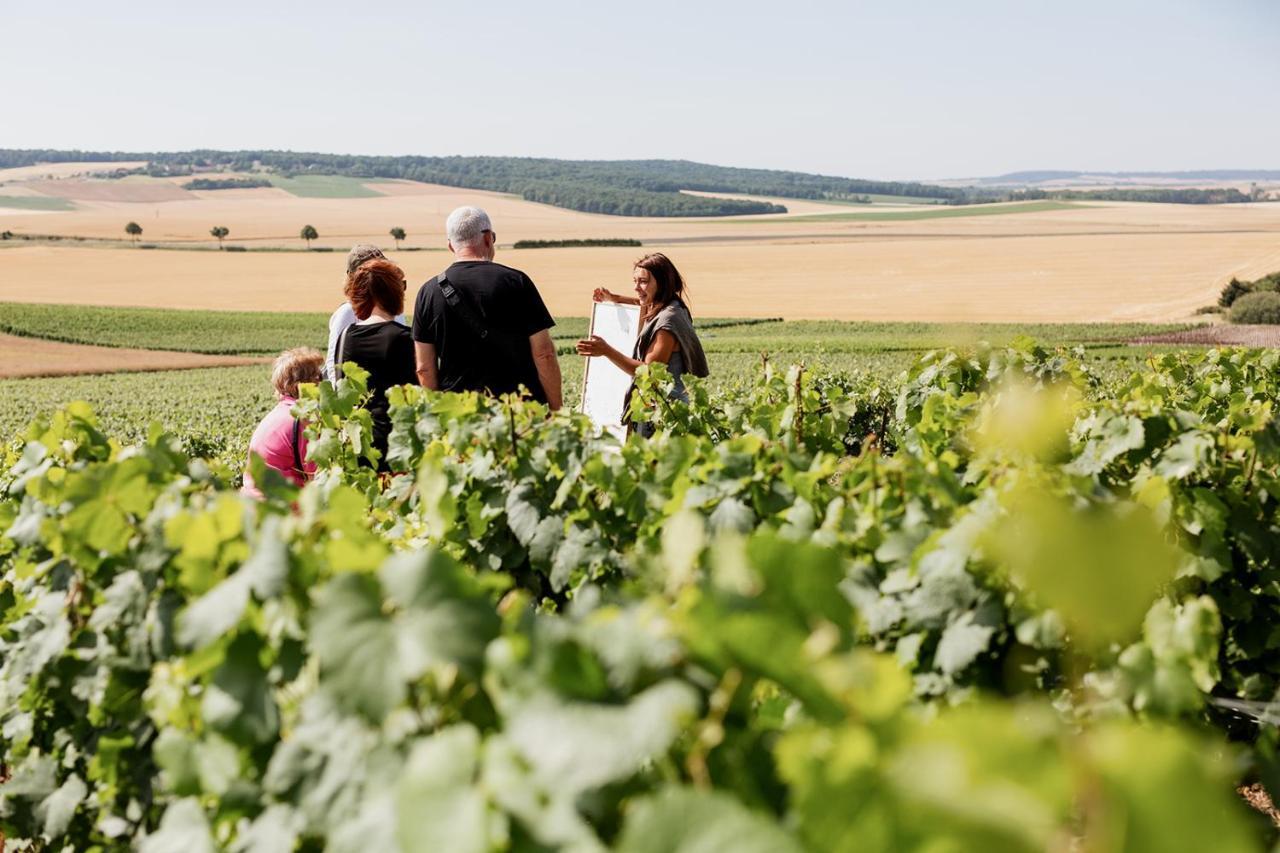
x,y
280,444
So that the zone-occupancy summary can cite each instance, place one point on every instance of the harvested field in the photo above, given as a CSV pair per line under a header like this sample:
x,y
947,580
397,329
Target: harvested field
x,y
273,217
1050,279
247,194
65,170
135,191
25,357
1098,262
1219,334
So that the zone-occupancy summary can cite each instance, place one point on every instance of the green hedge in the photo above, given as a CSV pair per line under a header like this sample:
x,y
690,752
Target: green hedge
x,y
1261,307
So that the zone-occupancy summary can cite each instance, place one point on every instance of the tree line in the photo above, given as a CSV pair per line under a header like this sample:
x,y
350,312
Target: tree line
x,y
615,187
1171,195
624,187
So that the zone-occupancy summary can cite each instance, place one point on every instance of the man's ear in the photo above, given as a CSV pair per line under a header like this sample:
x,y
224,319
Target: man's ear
x,y
450,245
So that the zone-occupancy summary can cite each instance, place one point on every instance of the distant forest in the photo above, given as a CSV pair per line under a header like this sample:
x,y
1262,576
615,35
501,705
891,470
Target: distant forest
x,y
615,187
1035,177
1171,195
621,187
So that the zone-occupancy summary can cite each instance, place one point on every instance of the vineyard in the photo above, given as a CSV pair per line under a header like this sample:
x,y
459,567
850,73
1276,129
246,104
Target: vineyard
x,y
1005,601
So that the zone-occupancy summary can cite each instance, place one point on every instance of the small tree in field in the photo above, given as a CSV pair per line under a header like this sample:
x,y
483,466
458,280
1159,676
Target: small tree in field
x,y
134,230
308,233
397,234
219,231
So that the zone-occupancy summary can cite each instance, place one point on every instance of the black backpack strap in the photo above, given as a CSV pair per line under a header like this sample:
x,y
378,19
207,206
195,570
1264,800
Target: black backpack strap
x,y
297,449
454,301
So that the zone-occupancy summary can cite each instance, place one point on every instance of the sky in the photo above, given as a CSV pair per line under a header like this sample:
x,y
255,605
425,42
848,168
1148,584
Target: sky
x,y
898,90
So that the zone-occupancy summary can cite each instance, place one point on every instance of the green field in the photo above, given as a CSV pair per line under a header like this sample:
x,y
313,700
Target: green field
x,y
221,332
324,186
33,202
264,333
218,407
212,332
215,409
953,212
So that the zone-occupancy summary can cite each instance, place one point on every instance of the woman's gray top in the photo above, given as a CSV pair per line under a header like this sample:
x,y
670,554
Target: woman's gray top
x,y
674,318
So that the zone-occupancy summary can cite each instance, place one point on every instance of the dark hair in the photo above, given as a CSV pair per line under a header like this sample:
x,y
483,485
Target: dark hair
x,y
376,282
670,283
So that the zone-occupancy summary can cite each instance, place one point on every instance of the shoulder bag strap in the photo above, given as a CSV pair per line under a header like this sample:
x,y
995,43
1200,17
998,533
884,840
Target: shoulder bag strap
x,y
297,449
454,301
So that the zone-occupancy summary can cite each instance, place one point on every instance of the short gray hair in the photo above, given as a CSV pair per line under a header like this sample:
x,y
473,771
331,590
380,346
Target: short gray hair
x,y
465,225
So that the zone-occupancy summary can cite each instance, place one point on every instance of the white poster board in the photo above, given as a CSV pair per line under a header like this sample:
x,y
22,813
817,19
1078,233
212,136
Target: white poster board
x,y
604,384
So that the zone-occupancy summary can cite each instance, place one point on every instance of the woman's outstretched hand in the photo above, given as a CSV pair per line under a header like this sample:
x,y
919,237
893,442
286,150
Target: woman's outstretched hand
x,y
593,346
604,294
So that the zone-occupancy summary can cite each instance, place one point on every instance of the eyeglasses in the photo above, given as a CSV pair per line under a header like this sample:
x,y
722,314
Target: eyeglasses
x,y
491,233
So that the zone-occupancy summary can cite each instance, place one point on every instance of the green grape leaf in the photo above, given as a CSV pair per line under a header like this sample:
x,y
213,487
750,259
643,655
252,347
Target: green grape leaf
x,y
368,656
683,820
577,746
357,645
733,515
438,806
238,702
57,809
183,829
275,830
961,643
1185,456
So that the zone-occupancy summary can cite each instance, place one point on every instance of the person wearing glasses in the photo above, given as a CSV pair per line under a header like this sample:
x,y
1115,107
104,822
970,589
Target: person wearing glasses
x,y
482,326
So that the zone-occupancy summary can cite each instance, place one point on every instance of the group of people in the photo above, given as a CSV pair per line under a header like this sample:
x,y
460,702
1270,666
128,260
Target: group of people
x,y
477,326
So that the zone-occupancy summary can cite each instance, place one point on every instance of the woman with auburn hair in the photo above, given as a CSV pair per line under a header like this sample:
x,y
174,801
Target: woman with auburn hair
x,y
278,438
377,342
666,326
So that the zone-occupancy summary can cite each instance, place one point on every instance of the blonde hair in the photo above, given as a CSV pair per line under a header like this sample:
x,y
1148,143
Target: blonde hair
x,y
295,366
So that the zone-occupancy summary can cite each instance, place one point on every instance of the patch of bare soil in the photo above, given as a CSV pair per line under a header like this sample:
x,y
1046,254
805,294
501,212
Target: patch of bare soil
x,y
1218,335
24,357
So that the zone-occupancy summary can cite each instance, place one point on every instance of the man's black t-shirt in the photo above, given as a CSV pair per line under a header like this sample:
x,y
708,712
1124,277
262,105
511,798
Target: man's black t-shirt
x,y
503,301
386,351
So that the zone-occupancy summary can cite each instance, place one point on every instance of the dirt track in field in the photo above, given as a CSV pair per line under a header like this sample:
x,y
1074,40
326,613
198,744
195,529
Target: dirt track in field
x,y
22,357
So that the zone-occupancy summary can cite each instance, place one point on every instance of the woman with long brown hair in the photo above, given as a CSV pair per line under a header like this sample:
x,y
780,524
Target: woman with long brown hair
x,y
377,342
666,326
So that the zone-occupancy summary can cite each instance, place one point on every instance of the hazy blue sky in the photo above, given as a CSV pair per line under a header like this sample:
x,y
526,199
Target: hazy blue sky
x,y
894,89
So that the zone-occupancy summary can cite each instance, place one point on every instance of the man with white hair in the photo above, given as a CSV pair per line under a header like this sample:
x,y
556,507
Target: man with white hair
x,y
482,326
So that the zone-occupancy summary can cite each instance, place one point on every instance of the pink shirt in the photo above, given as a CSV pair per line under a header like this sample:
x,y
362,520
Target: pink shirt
x,y
273,441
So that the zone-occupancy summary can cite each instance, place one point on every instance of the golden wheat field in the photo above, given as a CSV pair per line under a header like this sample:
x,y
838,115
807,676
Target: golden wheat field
x,y
1084,262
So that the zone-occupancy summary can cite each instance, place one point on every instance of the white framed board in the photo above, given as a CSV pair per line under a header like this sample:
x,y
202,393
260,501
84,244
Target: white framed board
x,y
604,384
